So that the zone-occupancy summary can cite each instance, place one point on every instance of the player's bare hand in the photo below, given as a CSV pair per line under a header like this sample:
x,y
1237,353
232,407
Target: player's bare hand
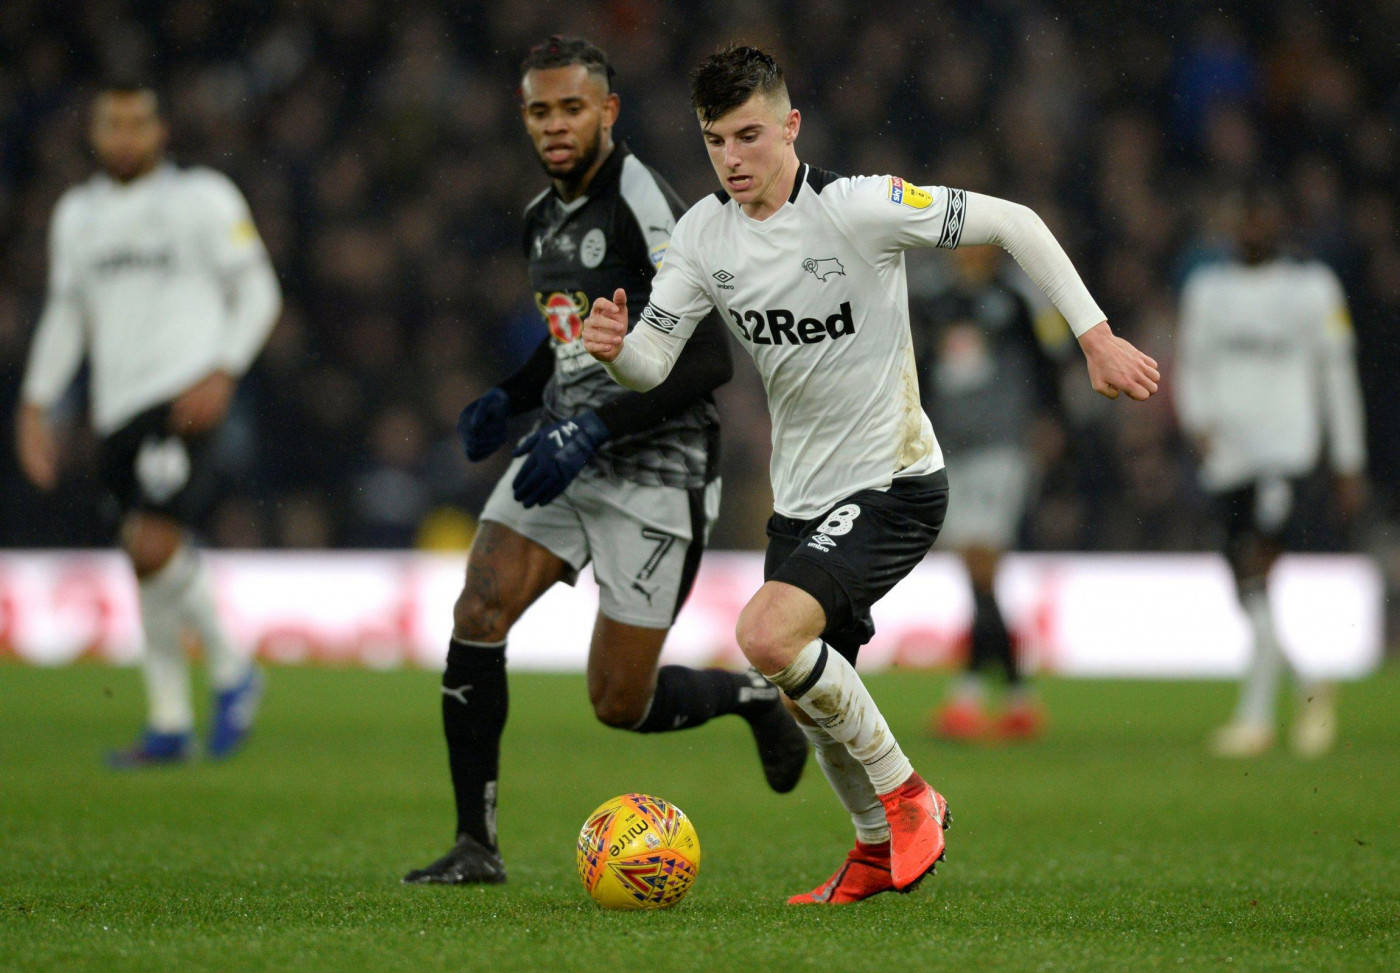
x,y
606,326
203,405
1116,366
37,446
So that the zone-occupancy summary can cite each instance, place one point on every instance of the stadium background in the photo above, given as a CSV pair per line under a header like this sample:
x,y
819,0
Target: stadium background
x,y
381,150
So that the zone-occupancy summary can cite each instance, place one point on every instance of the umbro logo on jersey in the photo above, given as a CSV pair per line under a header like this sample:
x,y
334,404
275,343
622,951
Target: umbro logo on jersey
x,y
723,277
823,267
779,326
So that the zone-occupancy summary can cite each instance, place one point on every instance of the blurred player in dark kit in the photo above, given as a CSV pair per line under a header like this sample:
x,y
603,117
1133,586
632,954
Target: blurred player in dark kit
x,y
988,380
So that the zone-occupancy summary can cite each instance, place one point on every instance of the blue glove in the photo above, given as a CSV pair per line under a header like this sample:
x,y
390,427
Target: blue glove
x,y
482,424
557,452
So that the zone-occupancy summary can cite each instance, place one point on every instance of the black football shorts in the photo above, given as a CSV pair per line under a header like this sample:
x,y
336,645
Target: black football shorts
x,y
1270,510
146,467
850,556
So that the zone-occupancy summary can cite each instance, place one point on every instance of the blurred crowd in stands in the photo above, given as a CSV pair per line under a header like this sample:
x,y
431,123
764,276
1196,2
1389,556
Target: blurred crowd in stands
x,y
381,149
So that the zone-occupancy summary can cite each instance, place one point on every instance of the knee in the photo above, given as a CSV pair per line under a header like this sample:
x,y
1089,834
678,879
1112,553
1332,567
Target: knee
x,y
1250,562
981,569
150,543
765,641
480,617
618,705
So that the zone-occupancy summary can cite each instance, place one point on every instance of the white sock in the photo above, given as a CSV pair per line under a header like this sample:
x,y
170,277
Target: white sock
x,y
848,779
828,690
968,688
163,663
227,666
1259,690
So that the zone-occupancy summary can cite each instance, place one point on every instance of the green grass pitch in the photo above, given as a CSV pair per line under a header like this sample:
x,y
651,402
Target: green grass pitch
x,y
1114,843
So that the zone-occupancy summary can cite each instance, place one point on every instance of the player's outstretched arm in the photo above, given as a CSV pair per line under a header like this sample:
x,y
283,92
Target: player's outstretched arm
x,y
1116,366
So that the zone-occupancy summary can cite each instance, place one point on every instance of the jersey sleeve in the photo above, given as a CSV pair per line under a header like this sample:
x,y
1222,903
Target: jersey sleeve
x,y
653,209
230,238
237,256
59,340
1341,388
678,302
1195,359
703,365
886,215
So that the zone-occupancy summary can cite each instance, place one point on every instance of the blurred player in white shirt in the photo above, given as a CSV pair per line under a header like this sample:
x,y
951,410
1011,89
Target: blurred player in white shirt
x,y
807,269
1267,373
158,277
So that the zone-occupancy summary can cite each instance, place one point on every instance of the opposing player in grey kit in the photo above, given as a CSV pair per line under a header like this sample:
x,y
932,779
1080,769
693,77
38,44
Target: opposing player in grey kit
x,y
808,269
625,480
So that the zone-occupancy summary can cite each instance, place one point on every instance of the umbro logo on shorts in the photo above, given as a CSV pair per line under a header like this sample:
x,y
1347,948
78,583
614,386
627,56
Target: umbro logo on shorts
x,y
821,542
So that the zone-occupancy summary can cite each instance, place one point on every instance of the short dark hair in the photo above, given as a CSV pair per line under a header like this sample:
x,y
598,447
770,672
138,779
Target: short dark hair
x,y
728,78
558,51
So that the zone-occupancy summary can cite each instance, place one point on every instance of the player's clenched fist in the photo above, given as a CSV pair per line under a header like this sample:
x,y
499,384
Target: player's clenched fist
x,y
606,326
1116,366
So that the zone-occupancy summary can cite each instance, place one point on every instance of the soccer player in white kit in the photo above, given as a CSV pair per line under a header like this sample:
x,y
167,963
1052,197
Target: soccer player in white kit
x,y
1267,362
158,276
807,268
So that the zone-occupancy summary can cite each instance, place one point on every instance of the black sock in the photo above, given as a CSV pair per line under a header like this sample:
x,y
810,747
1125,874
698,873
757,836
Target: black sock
x,y
991,642
474,703
688,697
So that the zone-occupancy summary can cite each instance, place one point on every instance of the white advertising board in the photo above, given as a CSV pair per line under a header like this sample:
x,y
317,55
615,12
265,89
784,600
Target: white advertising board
x,y
1165,616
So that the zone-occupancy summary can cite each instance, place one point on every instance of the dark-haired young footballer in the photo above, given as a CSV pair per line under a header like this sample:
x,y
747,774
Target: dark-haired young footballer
x,y
807,268
628,481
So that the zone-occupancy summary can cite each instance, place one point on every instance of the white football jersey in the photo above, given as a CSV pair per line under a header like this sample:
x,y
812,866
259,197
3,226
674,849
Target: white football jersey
x,y
1267,359
139,278
816,294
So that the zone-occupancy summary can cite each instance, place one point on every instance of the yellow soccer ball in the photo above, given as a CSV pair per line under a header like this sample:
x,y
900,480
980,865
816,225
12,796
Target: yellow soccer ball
x,y
638,852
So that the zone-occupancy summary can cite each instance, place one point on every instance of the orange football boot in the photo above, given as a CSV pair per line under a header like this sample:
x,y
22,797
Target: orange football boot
x,y
1023,720
865,872
918,816
961,720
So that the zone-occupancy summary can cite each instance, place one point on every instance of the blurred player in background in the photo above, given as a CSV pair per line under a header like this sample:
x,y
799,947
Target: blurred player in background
x,y
627,481
987,379
158,276
807,267
1267,373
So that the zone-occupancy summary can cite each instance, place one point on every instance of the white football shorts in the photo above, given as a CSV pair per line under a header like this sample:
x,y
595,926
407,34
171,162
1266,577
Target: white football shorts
x,y
987,493
644,541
